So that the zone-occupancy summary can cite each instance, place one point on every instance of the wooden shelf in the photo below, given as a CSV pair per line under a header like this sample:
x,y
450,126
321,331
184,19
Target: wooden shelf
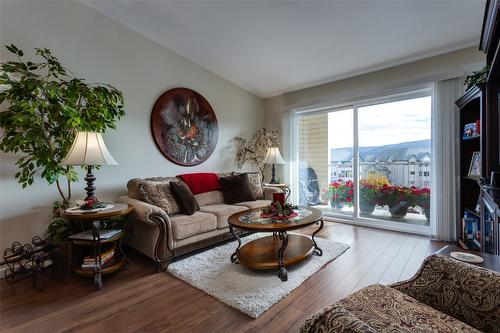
x,y
469,138
90,242
113,266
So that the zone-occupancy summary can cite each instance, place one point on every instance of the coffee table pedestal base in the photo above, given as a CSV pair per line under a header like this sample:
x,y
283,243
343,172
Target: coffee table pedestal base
x,y
264,253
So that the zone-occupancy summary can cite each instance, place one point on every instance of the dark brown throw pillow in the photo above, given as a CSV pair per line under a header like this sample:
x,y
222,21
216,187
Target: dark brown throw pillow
x,y
184,197
236,188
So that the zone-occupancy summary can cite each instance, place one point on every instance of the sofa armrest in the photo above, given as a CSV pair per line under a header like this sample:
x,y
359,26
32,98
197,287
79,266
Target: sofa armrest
x,y
156,217
466,292
335,318
143,211
268,192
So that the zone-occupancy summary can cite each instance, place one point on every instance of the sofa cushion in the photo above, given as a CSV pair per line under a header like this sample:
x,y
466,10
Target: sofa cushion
x,y
222,211
466,292
389,310
236,188
335,318
255,180
185,199
254,204
184,226
209,198
201,182
155,191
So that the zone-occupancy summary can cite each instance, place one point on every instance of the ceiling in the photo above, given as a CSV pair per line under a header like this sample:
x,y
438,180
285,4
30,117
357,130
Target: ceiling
x,y
272,47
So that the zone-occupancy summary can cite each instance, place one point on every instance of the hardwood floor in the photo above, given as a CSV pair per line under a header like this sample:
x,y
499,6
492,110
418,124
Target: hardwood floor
x,y
140,300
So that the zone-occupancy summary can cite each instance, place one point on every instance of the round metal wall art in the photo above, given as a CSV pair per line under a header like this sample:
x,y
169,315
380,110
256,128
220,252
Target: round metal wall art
x,y
184,126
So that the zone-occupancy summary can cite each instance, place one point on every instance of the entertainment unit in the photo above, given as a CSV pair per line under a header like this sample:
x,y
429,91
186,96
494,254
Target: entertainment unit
x,y
480,106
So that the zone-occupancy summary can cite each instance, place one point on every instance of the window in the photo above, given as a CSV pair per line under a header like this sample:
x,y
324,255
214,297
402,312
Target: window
x,y
374,148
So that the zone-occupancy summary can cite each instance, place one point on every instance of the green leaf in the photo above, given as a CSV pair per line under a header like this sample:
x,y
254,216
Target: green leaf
x,y
44,110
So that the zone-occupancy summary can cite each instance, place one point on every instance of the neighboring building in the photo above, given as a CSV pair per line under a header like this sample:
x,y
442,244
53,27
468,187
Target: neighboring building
x,y
406,163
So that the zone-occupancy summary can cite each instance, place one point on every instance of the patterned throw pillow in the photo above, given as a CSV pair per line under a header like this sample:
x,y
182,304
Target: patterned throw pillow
x,y
255,180
156,191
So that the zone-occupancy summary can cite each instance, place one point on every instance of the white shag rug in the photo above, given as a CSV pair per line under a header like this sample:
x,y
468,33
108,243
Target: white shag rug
x,y
251,291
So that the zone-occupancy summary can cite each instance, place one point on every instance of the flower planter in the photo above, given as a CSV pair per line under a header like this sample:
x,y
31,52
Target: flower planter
x,y
337,204
427,213
366,207
399,210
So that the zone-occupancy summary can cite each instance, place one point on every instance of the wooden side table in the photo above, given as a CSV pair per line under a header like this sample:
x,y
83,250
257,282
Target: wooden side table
x,y
491,261
97,219
284,187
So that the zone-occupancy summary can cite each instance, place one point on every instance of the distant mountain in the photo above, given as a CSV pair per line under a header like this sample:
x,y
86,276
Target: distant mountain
x,y
396,152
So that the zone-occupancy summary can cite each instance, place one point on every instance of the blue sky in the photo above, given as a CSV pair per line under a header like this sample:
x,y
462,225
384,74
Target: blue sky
x,y
382,124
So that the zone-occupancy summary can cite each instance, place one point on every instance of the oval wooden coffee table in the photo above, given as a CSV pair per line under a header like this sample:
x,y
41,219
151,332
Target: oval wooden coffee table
x,y
280,249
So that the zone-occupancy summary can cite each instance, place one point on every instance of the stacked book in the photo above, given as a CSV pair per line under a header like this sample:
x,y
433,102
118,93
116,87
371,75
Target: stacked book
x,y
471,233
106,257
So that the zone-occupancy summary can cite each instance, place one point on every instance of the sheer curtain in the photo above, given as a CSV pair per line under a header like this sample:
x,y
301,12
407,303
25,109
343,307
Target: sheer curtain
x,y
445,159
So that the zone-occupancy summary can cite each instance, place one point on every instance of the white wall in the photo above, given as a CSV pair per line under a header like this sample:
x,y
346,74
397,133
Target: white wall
x,y
101,50
453,64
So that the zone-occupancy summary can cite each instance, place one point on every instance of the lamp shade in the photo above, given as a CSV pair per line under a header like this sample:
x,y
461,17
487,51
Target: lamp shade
x,y
273,156
88,149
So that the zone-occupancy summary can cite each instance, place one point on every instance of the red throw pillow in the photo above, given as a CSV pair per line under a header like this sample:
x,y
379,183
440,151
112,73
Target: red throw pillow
x,y
201,182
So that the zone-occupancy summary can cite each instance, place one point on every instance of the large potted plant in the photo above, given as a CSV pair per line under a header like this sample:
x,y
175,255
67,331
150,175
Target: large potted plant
x,y
44,105
339,193
397,198
423,200
369,192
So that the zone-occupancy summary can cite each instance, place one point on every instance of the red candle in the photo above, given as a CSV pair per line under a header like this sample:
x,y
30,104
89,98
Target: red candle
x,y
280,197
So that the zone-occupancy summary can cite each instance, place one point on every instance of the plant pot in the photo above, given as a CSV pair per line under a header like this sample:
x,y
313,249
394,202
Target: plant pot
x,y
366,207
337,204
427,213
399,210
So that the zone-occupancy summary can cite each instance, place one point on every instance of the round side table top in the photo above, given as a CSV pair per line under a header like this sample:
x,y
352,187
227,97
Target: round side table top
x,y
281,186
251,220
118,209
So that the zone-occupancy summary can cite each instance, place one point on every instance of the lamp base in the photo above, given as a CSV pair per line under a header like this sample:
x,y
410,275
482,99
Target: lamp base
x,y
273,175
89,178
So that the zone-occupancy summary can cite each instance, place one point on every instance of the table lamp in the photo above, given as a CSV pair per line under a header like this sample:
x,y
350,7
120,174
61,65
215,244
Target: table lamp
x,y
273,157
89,149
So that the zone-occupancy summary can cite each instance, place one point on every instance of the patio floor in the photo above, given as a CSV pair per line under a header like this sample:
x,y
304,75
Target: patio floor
x,y
380,213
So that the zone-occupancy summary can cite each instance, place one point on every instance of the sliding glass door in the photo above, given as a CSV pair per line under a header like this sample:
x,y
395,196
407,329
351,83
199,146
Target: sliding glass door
x,y
369,163
325,154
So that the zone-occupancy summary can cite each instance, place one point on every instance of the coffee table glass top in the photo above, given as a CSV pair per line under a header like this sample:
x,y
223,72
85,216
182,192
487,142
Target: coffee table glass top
x,y
254,217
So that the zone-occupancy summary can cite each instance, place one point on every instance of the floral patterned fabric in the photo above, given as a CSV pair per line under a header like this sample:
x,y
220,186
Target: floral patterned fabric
x,y
466,292
444,296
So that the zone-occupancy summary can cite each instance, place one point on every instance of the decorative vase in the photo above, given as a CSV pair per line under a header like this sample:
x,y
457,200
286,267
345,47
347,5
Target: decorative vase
x,y
279,197
399,210
366,207
427,213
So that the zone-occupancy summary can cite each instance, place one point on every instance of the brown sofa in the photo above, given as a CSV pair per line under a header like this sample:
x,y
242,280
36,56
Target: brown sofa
x,y
162,236
445,295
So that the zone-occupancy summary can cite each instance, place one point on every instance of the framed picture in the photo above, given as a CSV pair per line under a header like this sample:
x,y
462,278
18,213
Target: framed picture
x,y
184,126
475,165
470,131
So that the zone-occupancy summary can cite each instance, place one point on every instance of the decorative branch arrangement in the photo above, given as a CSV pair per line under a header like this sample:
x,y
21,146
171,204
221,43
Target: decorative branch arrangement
x,y
254,150
45,106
